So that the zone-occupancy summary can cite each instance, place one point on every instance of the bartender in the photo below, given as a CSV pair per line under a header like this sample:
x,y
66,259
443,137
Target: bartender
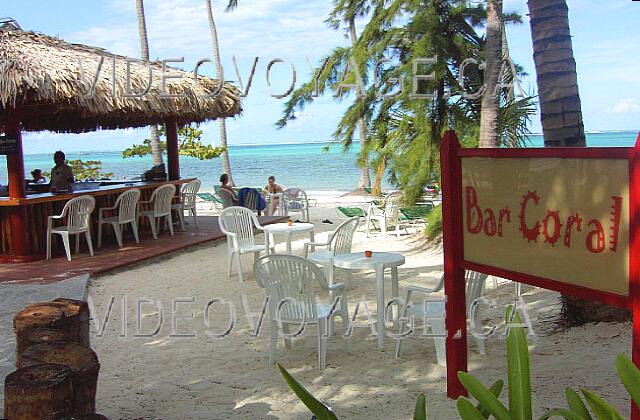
x,y
61,174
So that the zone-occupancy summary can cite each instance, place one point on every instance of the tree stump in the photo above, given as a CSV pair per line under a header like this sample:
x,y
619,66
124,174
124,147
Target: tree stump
x,y
84,319
41,316
41,335
43,391
84,366
76,319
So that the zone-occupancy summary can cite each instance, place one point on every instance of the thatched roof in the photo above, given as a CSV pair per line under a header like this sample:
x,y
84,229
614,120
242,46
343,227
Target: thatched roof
x,y
42,77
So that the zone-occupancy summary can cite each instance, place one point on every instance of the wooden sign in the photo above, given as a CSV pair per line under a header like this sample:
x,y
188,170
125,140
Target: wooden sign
x,y
564,219
8,145
559,218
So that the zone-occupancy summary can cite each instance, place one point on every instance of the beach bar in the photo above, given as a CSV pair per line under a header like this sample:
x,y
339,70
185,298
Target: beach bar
x,y
47,84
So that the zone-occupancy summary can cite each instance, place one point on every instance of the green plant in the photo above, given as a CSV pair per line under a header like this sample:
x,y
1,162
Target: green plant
x,y
322,412
434,223
90,169
519,388
190,144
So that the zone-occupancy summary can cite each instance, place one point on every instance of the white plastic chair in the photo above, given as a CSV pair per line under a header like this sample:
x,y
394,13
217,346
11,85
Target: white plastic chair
x,y
77,213
188,202
295,200
338,242
238,223
434,312
227,198
161,200
387,216
290,284
127,206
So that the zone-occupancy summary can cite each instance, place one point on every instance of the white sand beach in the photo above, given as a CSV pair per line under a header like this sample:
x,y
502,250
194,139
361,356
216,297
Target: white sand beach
x,y
199,377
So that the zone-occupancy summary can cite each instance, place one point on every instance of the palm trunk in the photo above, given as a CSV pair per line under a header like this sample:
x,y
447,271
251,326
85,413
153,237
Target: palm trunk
x,y
156,150
377,183
561,118
560,108
489,136
226,163
365,179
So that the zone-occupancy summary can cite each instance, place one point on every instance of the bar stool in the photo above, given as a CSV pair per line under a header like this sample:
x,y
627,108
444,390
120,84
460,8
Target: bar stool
x,y
77,213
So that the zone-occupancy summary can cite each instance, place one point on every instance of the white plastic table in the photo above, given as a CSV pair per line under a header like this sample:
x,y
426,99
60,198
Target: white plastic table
x,y
379,261
285,229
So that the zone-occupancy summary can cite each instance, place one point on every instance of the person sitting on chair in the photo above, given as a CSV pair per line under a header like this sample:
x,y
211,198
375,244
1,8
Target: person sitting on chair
x,y
224,181
61,174
273,188
37,177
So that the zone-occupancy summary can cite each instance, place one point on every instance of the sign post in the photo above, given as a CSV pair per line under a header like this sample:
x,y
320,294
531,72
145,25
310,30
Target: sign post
x,y
564,219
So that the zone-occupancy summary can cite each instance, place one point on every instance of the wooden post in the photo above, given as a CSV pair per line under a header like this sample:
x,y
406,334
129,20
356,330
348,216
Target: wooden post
x,y
84,319
84,368
634,255
173,157
15,172
454,278
43,391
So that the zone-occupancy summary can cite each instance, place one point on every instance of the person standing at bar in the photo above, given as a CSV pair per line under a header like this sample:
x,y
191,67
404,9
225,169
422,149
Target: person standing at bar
x,y
61,174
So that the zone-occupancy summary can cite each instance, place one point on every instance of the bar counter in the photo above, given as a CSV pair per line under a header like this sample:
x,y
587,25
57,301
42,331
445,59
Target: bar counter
x,y
40,206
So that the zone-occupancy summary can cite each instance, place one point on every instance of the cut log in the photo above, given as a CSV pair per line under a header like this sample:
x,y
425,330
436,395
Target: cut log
x,y
41,335
43,391
84,367
72,321
41,316
84,319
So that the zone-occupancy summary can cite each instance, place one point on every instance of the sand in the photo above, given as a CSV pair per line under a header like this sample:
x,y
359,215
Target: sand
x,y
200,377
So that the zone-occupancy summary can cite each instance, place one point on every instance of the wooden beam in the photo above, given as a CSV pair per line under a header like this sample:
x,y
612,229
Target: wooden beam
x,y
173,157
15,171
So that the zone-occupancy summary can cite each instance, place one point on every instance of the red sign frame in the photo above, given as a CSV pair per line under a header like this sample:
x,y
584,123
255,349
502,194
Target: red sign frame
x,y
453,243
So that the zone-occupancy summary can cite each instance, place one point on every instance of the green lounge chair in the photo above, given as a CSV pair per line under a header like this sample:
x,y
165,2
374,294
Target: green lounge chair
x,y
215,201
349,212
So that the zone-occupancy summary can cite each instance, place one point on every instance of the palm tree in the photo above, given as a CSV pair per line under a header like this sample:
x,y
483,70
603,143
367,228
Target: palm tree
x,y
226,163
156,151
489,135
347,11
560,108
561,117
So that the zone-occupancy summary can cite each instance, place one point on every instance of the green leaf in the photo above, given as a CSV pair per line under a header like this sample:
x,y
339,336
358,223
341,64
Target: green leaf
x,y
420,413
563,412
496,389
321,411
630,376
518,370
484,396
576,405
467,411
600,407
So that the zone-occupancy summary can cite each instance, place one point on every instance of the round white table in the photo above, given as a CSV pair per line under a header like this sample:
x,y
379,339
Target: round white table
x,y
379,261
285,229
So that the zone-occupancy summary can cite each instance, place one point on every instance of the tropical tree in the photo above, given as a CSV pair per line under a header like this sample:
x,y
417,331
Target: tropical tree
x,y
189,144
226,163
156,152
493,52
561,118
560,108
346,12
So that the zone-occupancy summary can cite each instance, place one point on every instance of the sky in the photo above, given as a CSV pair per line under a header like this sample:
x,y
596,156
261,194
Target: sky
x,y
605,42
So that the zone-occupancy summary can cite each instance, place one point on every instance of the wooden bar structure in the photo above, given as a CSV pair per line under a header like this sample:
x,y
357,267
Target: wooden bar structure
x,y
47,90
38,207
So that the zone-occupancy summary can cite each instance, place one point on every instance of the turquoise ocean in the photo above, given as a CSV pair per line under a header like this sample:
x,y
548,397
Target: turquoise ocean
x,y
304,165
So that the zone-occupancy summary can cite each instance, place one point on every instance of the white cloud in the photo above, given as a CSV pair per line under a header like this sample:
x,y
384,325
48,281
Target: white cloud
x,y
625,106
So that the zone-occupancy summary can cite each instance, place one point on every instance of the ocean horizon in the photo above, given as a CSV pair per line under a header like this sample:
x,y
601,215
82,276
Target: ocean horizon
x,y
307,165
